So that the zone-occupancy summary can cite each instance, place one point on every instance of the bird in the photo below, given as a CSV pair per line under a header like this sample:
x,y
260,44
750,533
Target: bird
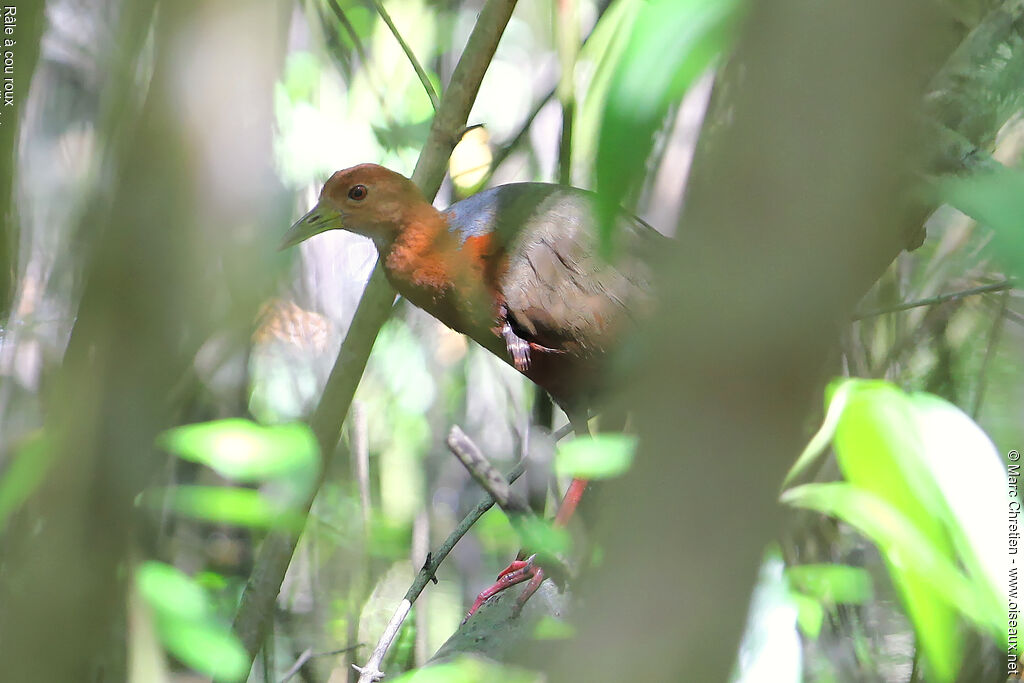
x,y
518,268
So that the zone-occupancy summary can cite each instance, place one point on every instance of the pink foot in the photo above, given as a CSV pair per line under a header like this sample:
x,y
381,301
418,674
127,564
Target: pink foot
x,y
515,573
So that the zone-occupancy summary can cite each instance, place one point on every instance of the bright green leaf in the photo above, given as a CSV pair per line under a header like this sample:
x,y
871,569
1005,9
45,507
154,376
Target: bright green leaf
x,y
181,611
995,199
602,457
934,583
832,583
672,43
810,615
226,505
206,646
247,452
542,537
170,592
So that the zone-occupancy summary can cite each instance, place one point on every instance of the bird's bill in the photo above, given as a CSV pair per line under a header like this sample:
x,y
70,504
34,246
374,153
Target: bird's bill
x,y
319,219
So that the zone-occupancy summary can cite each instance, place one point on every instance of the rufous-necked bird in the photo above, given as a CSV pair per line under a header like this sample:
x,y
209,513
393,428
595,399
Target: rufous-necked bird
x,y
517,269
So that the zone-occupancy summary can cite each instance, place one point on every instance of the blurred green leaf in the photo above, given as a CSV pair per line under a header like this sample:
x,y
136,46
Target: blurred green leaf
x,y
836,403
917,566
601,457
226,505
542,537
810,615
170,592
183,619
832,583
27,468
468,669
996,200
207,647
247,452
969,472
673,42
550,628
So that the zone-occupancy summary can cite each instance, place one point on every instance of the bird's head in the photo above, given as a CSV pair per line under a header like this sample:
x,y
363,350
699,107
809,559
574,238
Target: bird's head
x,y
368,200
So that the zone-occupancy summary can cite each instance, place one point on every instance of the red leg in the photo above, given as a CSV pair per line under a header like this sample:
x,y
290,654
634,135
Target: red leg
x,y
522,570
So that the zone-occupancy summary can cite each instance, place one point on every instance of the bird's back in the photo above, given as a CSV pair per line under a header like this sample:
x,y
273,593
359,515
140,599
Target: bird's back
x,y
559,291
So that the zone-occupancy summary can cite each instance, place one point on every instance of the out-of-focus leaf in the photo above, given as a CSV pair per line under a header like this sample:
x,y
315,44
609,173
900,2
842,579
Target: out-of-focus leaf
x,y
810,615
880,452
226,505
467,669
549,628
170,592
23,475
969,473
602,457
995,199
207,647
248,452
832,583
916,565
821,439
542,537
185,625
673,42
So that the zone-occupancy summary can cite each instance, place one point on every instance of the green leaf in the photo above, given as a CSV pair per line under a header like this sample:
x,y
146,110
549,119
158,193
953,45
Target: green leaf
x,y
181,611
672,43
24,474
226,505
968,472
541,536
205,646
995,199
170,592
832,583
810,615
247,452
931,584
601,457
550,628
821,439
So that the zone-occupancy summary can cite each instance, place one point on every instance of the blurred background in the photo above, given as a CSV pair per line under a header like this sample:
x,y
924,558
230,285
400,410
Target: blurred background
x,y
158,151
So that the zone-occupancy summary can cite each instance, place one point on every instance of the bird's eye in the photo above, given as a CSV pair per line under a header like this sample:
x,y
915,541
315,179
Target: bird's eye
x,y
357,193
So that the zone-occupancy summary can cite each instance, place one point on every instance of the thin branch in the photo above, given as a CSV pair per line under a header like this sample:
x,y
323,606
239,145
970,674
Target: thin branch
x,y
307,655
256,606
417,67
939,299
484,472
350,30
371,671
993,343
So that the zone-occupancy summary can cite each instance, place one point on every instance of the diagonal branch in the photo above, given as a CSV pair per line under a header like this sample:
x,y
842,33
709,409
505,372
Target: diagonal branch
x,y
255,610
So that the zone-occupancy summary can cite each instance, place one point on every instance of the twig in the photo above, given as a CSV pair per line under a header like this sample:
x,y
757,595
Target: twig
x,y
275,554
939,299
417,67
993,343
307,655
371,671
484,472
361,455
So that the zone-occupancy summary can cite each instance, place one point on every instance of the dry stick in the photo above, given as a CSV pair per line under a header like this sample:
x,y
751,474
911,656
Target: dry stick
x,y
256,607
426,574
940,299
484,472
371,671
307,655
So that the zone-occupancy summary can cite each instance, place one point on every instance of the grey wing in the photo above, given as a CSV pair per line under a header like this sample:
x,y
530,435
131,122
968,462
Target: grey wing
x,y
559,291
